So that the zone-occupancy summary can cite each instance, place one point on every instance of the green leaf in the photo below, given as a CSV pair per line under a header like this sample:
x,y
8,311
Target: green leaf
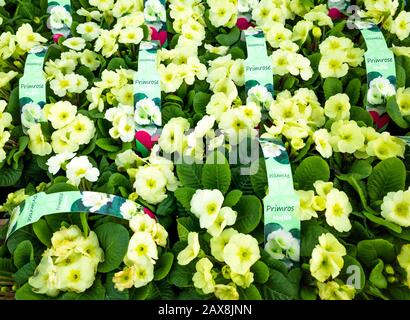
x,y
401,76
113,240
181,276
216,173
25,272
310,170
190,175
111,293
10,176
26,293
118,180
377,277
232,198
250,293
350,266
260,272
23,142
394,112
108,144
61,187
184,196
6,266
387,176
163,266
96,292
19,236
279,287
229,38
186,225
139,293
382,222
171,111
249,210
360,114
23,253
201,99
369,251
43,232
332,86
352,90
116,63
310,232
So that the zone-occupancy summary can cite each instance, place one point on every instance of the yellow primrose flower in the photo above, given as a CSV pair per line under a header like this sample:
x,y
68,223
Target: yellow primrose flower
x,y
396,207
337,211
226,217
5,117
143,272
401,25
77,276
242,280
37,143
305,204
241,252
90,248
203,278
124,279
191,251
141,246
60,113
403,100
218,243
404,257
401,51
301,30
226,292
386,146
206,204
337,107
7,45
44,279
27,39
319,203
333,66
322,188
75,43
346,136
327,258
131,35
170,81
222,13
335,46
322,143
331,290
150,184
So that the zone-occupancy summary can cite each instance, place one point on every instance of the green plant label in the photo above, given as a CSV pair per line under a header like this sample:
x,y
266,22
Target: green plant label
x,y
32,88
42,204
281,205
60,19
258,69
156,19
147,97
381,70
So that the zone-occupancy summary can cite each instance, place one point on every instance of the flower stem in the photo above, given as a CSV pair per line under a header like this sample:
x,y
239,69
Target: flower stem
x,y
84,223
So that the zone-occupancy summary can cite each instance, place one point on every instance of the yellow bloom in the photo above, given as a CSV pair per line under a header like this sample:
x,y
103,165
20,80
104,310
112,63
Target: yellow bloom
x,y
226,292
27,39
60,113
322,143
346,136
386,146
37,143
337,211
403,100
323,188
331,290
242,280
241,252
191,251
203,278
396,207
337,107
218,243
333,66
124,279
305,208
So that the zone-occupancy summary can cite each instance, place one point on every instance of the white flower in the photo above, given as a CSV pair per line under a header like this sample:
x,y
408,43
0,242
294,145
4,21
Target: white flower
x,y
31,114
206,204
383,86
95,200
144,109
130,209
259,94
141,222
75,43
272,150
54,163
141,246
154,10
79,168
59,18
282,237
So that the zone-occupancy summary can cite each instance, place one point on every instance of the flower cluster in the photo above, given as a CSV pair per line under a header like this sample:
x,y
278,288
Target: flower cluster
x,y
142,252
69,265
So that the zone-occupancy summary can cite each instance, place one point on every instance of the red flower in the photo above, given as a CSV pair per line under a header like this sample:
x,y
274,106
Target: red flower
x,y
335,14
149,212
380,121
243,23
144,138
160,36
57,36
